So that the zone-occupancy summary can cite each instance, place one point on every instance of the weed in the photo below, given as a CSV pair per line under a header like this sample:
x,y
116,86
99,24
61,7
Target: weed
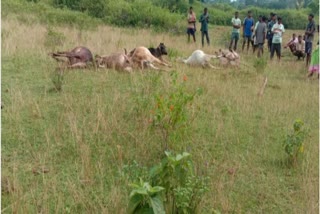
x,y
57,80
293,143
260,64
146,199
181,190
170,113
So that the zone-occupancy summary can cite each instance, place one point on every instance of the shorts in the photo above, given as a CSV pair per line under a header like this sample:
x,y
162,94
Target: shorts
x,y
191,31
235,36
308,47
248,37
260,45
275,47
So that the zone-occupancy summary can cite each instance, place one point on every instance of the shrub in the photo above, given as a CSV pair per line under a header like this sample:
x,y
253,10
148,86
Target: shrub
x,y
146,199
293,143
183,189
173,187
169,114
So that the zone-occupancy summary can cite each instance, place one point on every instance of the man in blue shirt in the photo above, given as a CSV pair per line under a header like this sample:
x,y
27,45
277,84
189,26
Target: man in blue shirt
x,y
248,26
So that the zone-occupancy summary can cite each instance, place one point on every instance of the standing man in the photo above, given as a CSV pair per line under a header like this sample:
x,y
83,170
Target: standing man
x,y
191,24
260,34
311,27
235,35
248,24
269,32
254,36
277,30
204,19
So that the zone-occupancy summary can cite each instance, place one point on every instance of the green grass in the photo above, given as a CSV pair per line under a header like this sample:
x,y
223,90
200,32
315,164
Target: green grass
x,y
97,126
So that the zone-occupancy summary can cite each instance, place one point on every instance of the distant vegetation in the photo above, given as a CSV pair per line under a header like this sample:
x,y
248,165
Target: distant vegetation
x,y
161,15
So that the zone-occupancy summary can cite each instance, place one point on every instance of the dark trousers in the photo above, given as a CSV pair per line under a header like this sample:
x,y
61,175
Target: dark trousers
x,y
299,54
275,47
207,37
269,43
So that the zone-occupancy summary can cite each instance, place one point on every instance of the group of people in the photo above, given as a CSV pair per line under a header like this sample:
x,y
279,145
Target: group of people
x,y
268,30
204,20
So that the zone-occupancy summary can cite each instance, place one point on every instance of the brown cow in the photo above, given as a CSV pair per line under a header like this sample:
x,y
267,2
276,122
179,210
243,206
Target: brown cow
x,y
78,57
142,57
117,61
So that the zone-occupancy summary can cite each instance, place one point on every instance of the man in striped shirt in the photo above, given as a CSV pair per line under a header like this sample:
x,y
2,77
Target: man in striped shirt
x,y
235,35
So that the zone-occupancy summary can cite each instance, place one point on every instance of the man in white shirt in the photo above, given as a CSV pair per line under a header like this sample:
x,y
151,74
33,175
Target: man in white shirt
x,y
277,30
292,41
235,35
299,48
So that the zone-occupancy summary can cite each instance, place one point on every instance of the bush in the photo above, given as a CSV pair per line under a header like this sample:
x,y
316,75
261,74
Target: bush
x,y
162,15
141,13
293,143
174,187
169,114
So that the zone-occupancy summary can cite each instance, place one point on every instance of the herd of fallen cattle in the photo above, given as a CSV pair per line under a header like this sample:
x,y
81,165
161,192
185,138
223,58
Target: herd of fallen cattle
x,y
139,58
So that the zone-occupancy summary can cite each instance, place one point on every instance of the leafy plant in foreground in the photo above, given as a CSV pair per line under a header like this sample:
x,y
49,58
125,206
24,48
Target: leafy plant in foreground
x,y
173,187
293,144
183,189
146,199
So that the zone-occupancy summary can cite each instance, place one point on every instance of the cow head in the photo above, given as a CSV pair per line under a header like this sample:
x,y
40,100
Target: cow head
x,y
163,49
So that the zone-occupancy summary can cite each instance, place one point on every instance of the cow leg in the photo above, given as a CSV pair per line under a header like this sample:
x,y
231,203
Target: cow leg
x,y
153,67
78,65
160,62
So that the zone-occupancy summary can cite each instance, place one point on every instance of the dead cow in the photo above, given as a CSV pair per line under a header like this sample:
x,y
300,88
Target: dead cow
x,y
117,61
142,57
227,57
159,51
199,58
78,57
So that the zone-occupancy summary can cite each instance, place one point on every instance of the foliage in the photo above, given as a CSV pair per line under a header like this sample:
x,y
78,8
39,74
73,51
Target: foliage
x,y
175,185
183,189
293,143
180,6
46,14
170,111
159,15
146,199
314,6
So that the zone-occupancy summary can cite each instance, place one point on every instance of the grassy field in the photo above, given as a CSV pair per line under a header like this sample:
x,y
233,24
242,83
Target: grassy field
x,y
70,151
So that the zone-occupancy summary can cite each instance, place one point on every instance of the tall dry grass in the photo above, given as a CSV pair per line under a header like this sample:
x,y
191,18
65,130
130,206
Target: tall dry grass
x,y
86,135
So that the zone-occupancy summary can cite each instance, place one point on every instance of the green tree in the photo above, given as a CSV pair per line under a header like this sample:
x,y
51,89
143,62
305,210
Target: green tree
x,y
299,4
314,6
